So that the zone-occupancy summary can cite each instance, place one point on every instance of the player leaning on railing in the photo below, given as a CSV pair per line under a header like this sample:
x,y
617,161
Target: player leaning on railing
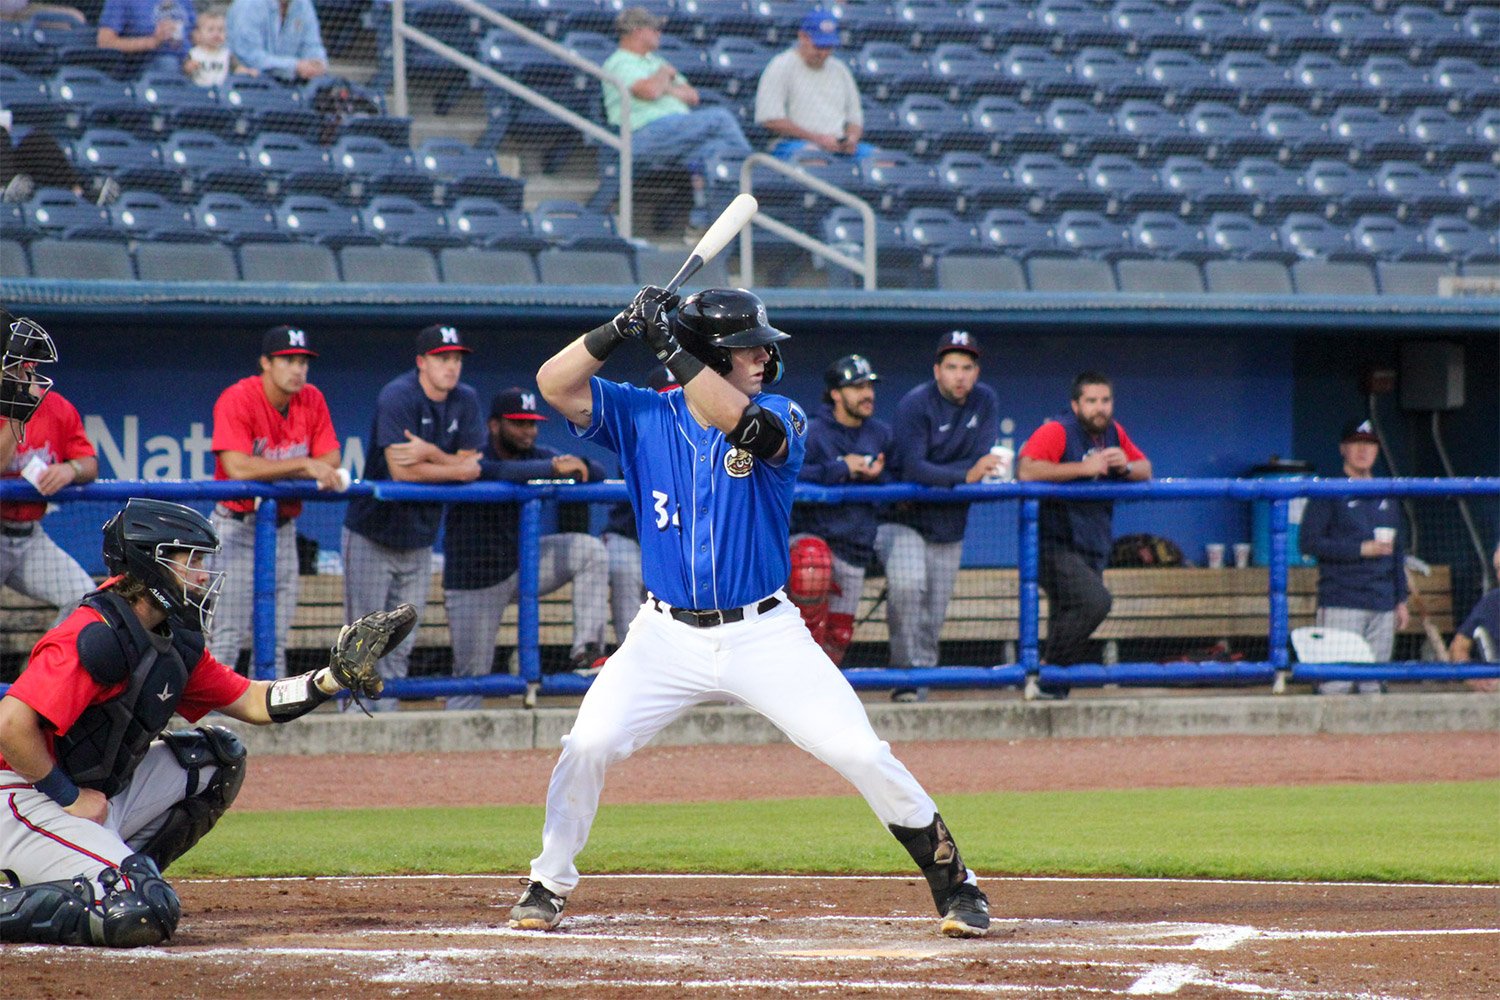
x,y
95,800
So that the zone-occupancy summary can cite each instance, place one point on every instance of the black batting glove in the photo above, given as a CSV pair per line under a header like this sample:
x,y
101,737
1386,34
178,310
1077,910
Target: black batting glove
x,y
631,322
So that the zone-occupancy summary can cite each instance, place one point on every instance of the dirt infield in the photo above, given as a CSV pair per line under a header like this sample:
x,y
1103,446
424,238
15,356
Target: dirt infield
x,y
664,937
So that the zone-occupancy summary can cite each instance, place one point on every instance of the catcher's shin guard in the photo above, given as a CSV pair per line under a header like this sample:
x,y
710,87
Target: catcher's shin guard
x,y
840,634
934,851
139,908
187,821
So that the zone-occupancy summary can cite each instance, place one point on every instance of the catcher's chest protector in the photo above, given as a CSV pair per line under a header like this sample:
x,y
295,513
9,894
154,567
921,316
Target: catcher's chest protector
x,y
106,744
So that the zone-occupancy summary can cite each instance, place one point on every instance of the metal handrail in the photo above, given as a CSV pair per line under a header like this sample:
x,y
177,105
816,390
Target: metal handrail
x,y
865,269
402,32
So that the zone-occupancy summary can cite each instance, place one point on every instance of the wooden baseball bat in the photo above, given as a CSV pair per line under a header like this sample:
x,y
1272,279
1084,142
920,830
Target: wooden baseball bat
x,y
725,228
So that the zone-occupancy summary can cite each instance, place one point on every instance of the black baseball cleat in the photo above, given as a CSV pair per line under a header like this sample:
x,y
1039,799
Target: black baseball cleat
x,y
540,909
967,913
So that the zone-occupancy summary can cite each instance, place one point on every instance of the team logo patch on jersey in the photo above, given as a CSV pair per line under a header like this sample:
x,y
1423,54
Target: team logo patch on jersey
x,y
738,463
799,422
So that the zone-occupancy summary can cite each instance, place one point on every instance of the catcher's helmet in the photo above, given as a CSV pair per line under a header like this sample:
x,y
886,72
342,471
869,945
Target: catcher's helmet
x,y
140,541
711,322
21,387
851,369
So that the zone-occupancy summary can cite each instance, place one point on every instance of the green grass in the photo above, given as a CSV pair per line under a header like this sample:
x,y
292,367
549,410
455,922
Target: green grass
x,y
1442,832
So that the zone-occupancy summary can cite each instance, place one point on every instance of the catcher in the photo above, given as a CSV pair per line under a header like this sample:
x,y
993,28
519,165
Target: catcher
x,y
95,800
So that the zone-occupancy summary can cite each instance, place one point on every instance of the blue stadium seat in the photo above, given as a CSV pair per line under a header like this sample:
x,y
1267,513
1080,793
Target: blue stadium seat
x,y
479,266
295,166
937,230
899,263
142,213
21,53
264,261
1229,133
385,264
1277,189
1408,277
1156,130
395,219
1016,233
1148,25
1203,188
1067,273
1316,276
1479,184
1395,83
80,90
1186,78
1244,237
1159,277
1298,133
1056,185
1083,129
1326,81
928,23
263,104
1218,26
1371,135
1358,29
313,217
461,171
1467,82
1258,80
1443,137
977,185
1247,277
1002,23
208,163
896,182
1487,127
108,149
158,95
1284,27
79,257
232,218
1131,186
58,210
1113,76
1420,193
1386,238
734,65
1076,23
966,72
970,271
1309,235
373,167
888,72
596,47
25,97
1427,32
1480,26
1036,74
1093,235
185,258
1011,126
492,223
938,127
1460,240
569,223
1161,234
1346,191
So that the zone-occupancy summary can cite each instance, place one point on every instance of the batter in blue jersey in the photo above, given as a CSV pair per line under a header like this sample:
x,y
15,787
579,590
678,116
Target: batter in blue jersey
x,y
710,469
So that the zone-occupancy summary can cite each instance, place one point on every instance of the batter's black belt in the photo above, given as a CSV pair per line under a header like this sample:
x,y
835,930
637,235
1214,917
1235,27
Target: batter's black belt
x,y
17,529
709,617
244,515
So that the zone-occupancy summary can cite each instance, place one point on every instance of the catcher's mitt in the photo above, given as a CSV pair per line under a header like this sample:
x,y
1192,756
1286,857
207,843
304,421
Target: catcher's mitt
x,y
364,641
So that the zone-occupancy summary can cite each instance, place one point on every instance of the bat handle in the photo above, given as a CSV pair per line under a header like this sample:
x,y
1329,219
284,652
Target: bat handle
x,y
688,269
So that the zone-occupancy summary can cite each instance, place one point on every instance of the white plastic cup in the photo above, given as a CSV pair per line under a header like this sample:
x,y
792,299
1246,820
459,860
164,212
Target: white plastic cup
x,y
1387,535
343,479
1241,555
1005,468
1215,551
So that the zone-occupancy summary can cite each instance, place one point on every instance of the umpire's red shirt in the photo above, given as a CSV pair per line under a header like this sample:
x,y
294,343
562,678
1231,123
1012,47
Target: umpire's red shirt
x,y
245,421
59,689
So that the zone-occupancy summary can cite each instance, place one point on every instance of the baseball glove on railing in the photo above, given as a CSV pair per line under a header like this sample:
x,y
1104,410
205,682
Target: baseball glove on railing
x,y
362,643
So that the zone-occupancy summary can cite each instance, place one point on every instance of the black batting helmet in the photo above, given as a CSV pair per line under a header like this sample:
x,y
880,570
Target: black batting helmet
x,y
711,322
22,388
849,370
140,540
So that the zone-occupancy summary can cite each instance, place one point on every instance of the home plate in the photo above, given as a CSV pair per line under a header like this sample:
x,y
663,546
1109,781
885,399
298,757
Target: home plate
x,y
859,953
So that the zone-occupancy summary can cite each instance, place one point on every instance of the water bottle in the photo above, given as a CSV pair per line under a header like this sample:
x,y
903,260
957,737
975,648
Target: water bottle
x,y
1004,471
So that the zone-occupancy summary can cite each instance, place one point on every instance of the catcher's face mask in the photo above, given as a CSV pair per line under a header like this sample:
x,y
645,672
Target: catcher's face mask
x,y
22,387
200,586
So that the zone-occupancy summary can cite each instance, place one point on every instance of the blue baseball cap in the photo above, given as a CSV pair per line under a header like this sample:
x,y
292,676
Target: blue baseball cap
x,y
822,27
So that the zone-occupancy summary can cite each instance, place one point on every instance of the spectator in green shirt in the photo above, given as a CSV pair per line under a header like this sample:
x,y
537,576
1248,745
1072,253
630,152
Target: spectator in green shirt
x,y
667,125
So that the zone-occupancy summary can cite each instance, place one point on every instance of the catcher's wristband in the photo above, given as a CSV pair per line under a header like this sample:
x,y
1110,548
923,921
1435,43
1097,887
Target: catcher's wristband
x,y
294,697
58,787
601,341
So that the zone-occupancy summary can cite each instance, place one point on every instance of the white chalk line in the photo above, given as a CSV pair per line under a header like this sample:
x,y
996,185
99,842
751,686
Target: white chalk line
x,y
668,876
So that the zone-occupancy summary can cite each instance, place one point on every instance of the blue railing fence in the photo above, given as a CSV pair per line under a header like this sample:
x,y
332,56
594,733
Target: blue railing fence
x,y
1275,670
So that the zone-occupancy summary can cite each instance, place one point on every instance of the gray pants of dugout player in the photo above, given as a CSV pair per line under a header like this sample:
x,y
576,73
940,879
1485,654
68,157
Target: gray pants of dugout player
x,y
35,566
378,578
231,629
919,577
474,615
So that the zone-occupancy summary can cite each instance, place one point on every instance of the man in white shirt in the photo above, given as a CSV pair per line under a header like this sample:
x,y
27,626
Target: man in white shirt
x,y
809,100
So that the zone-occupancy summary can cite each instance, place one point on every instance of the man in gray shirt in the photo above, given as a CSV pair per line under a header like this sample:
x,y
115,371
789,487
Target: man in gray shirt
x,y
809,100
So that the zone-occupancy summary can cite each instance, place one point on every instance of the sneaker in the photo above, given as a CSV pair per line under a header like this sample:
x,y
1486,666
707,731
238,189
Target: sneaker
x,y
906,696
540,909
18,190
967,913
587,661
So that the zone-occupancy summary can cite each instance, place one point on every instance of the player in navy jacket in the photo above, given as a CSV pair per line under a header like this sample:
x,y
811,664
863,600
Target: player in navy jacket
x,y
942,437
1361,562
846,445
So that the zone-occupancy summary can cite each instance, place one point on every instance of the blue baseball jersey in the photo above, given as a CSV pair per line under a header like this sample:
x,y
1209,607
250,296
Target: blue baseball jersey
x,y
712,519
